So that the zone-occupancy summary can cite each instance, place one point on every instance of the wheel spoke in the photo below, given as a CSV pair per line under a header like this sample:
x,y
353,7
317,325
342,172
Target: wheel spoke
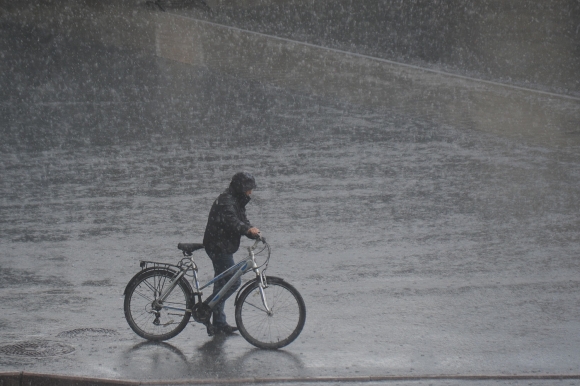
x,y
144,296
256,307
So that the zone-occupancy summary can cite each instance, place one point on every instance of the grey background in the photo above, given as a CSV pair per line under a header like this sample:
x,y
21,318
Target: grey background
x,y
422,243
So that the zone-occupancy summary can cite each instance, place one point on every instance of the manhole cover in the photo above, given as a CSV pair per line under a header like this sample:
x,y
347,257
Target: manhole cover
x,y
88,332
37,348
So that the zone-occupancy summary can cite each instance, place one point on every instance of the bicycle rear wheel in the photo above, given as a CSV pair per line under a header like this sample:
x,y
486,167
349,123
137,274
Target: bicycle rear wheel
x,y
278,328
154,320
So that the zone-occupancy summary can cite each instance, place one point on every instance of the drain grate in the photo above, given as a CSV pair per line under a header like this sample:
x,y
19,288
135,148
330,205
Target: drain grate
x,y
36,349
87,332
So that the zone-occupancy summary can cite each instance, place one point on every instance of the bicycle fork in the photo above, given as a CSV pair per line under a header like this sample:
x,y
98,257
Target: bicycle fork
x,y
263,284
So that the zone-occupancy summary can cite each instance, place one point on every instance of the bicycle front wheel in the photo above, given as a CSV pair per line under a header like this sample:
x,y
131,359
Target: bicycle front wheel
x,y
281,325
150,318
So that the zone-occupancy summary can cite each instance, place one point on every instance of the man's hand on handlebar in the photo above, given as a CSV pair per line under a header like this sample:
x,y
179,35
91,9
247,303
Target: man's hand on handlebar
x,y
254,233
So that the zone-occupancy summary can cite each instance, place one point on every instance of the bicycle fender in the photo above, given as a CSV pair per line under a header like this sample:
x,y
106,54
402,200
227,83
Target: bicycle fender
x,y
136,277
250,282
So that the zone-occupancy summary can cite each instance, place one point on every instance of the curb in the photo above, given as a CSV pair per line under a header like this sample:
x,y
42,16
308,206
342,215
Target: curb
x,y
34,379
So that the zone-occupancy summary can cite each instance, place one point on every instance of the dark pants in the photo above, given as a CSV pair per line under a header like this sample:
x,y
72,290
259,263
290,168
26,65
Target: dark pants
x,y
221,262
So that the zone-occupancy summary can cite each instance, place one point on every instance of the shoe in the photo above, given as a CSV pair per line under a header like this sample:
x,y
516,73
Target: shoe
x,y
225,329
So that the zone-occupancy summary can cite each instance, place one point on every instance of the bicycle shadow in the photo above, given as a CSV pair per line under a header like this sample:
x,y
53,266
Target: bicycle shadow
x,y
149,359
212,359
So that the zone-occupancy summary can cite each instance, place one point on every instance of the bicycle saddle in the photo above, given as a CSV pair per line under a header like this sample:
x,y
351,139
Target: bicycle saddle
x,y
188,248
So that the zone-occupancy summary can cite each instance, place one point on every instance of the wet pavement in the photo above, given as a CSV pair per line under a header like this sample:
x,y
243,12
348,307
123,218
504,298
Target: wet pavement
x,y
430,222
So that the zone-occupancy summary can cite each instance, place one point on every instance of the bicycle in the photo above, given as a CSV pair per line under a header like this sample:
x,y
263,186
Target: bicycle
x,y
160,301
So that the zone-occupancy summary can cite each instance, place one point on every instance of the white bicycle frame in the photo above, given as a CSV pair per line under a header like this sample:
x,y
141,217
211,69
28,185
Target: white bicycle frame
x,y
239,269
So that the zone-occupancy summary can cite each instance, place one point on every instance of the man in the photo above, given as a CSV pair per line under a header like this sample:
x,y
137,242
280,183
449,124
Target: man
x,y
226,224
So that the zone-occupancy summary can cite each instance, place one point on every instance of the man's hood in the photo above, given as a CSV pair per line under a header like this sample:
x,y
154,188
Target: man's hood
x,y
242,182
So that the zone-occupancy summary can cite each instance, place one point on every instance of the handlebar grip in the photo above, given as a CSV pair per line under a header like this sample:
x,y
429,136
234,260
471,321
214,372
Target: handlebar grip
x,y
260,237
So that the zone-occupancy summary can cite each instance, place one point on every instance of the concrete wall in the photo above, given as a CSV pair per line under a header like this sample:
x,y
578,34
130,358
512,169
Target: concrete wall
x,y
523,42
333,74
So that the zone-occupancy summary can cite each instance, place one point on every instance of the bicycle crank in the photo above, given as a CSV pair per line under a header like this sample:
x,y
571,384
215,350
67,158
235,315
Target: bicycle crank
x,y
201,313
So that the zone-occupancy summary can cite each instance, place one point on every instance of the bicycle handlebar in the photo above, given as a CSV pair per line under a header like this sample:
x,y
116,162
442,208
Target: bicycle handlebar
x,y
260,238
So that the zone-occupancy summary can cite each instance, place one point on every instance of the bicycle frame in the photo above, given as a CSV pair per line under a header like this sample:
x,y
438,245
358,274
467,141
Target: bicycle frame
x,y
238,270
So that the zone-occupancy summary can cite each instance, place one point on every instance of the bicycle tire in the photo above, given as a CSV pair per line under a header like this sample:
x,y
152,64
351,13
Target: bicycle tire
x,y
278,329
160,324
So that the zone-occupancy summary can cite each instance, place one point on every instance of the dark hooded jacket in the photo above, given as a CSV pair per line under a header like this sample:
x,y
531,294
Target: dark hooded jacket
x,y
227,221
